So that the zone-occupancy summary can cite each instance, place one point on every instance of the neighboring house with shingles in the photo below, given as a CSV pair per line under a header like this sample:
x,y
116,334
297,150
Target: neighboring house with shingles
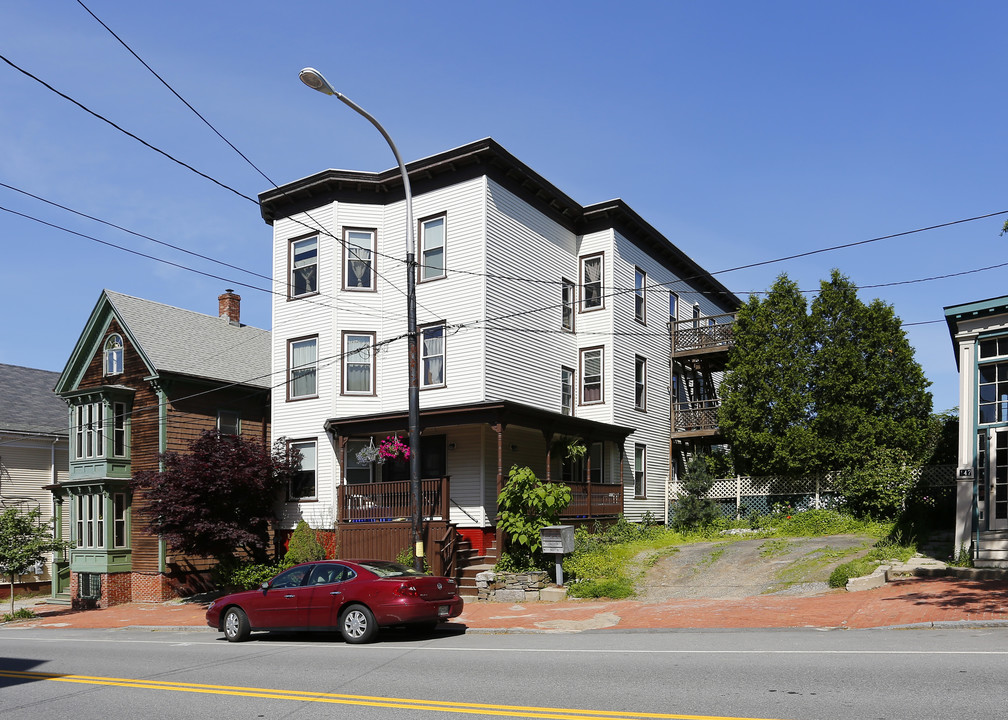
x,y
979,332
33,453
542,322
143,379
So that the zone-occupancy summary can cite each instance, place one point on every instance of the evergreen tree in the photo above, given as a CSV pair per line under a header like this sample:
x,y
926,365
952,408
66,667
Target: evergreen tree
x,y
304,545
693,508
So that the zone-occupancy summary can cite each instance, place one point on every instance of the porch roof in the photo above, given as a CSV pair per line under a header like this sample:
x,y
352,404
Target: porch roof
x,y
503,412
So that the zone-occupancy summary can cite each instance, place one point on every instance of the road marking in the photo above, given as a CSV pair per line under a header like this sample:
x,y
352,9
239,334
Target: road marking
x,y
361,700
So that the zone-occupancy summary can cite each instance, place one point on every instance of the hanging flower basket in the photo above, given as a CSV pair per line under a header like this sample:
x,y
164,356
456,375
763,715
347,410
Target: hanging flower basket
x,y
370,454
392,448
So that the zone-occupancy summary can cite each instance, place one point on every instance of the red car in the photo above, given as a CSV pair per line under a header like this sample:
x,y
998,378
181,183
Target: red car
x,y
355,597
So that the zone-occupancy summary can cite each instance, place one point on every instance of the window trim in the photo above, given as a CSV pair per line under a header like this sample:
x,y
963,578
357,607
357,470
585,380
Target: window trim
x,y
109,352
290,266
601,282
237,421
568,305
640,473
373,376
423,357
422,259
640,296
373,287
640,381
601,381
673,308
291,397
314,496
89,431
564,409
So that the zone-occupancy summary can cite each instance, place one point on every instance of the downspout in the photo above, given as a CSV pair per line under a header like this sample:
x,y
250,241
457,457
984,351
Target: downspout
x,y
162,449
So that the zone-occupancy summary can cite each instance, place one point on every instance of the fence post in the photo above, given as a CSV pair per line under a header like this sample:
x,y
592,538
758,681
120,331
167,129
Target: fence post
x,y
817,492
738,497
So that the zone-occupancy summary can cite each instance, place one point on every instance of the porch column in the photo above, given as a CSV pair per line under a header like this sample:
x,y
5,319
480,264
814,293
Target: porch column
x,y
499,429
548,436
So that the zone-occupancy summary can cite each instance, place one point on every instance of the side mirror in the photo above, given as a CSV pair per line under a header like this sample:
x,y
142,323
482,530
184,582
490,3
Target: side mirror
x,y
265,585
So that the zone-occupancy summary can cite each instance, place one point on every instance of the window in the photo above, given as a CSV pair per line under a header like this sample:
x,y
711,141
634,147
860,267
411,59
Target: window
x,y
673,308
640,383
640,470
591,283
302,485
358,274
640,283
596,466
993,347
89,431
432,248
358,368
591,376
567,302
993,392
302,363
356,472
587,469
113,355
291,578
90,521
432,355
119,520
566,391
119,429
696,317
304,267
433,461
228,422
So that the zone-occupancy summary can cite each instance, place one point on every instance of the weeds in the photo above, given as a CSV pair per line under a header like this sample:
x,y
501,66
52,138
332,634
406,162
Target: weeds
x,y
20,614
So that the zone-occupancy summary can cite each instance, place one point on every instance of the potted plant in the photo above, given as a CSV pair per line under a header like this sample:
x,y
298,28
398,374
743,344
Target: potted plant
x,y
370,454
392,448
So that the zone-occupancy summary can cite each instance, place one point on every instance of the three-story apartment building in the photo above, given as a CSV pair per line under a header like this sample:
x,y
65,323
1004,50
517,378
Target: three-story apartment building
x,y
542,323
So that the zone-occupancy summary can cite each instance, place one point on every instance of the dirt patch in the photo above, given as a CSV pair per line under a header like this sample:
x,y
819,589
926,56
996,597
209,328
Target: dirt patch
x,y
742,568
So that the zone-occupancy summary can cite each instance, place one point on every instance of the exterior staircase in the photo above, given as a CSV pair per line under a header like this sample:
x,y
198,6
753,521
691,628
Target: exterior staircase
x,y
470,564
993,552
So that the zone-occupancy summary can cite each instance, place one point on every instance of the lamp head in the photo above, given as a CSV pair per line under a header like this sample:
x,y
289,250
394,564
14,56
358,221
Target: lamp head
x,y
313,79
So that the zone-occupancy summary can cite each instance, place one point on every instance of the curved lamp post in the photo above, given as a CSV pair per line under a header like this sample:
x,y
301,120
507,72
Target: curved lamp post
x,y
313,79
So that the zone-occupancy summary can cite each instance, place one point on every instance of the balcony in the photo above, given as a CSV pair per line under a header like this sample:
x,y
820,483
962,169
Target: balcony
x,y
593,500
695,419
702,336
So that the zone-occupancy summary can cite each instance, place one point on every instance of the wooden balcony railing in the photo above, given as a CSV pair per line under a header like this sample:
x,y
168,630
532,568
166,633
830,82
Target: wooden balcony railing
x,y
591,500
711,333
390,501
695,416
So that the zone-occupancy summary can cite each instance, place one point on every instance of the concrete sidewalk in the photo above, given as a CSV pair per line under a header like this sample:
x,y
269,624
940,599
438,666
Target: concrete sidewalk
x,y
902,602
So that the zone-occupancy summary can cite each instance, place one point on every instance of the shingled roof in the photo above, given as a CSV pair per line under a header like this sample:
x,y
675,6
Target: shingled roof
x,y
184,342
28,404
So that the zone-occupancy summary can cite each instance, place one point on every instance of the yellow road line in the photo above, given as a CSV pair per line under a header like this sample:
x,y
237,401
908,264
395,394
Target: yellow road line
x,y
362,700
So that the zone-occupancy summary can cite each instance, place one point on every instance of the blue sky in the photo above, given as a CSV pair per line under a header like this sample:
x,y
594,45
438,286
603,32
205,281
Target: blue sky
x,y
742,131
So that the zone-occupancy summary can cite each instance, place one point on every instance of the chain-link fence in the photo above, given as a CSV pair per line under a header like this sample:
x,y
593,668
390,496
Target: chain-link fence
x,y
740,497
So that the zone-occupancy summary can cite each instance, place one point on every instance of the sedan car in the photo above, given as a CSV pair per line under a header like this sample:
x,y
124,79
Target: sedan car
x,y
355,597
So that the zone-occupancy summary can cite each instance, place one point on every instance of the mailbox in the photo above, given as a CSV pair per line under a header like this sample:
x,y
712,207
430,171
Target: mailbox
x,y
558,539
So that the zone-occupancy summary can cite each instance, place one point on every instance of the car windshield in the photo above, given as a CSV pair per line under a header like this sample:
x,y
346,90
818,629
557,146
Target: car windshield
x,y
383,568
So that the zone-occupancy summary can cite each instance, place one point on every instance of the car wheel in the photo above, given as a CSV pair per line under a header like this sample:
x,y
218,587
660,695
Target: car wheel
x,y
236,625
358,624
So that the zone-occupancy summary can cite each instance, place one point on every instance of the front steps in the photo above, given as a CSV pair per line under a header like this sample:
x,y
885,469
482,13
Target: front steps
x,y
470,563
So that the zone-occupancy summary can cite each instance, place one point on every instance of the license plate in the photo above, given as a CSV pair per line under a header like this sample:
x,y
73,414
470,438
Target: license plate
x,y
442,611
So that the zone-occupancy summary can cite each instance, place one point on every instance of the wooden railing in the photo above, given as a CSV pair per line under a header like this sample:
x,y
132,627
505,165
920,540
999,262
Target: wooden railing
x,y
591,500
390,501
695,415
714,332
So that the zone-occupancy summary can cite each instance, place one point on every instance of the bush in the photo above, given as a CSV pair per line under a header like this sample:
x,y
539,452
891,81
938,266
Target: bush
x,y
613,588
245,576
694,509
526,506
19,614
406,557
304,546
878,489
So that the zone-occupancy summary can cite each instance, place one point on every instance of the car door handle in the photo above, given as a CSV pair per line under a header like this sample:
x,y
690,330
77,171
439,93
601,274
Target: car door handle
x,y
288,596
335,592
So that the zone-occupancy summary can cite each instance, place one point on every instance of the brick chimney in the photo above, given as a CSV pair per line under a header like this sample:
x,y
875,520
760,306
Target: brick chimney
x,y
229,306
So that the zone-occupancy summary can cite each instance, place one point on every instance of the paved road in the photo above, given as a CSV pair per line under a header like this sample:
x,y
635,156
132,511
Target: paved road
x,y
743,674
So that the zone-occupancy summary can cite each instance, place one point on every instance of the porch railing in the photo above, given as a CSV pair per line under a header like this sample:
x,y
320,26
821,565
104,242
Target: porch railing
x,y
591,500
695,415
390,501
713,332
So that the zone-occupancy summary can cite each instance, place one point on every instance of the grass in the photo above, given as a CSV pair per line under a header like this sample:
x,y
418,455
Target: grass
x,y
603,563
882,553
20,614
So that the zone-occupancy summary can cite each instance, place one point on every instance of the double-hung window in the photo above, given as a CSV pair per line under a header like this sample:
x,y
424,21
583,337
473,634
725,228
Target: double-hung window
x,y
591,282
119,533
567,299
358,363
673,309
304,267
432,356
591,376
993,380
302,366
640,383
228,422
90,520
432,248
89,431
119,429
114,355
566,391
302,485
358,272
640,471
640,284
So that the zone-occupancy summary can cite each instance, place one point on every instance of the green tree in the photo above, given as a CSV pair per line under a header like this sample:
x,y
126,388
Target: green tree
x,y
868,391
766,405
526,506
24,541
304,545
694,509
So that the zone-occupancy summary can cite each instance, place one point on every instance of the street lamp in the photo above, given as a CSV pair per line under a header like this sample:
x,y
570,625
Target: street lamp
x,y
313,79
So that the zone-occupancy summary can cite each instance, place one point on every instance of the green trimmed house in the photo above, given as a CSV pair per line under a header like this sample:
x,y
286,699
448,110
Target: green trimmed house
x,y
143,379
979,332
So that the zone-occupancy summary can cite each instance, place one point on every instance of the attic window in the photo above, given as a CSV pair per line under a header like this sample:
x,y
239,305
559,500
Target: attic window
x,y
113,355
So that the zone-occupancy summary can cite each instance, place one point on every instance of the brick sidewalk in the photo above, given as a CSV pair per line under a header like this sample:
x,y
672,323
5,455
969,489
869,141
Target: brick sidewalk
x,y
902,602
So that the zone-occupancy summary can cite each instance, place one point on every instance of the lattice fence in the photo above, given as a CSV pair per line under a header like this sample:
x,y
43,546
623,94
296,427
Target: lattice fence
x,y
741,496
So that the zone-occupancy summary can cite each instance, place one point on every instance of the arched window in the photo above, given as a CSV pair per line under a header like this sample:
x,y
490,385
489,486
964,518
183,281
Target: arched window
x,y
113,355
